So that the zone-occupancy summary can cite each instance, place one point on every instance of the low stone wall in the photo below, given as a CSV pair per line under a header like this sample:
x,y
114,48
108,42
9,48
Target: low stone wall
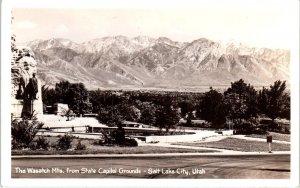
x,y
79,135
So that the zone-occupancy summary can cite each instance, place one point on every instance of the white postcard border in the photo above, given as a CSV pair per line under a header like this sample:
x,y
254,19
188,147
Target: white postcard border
x,y
6,179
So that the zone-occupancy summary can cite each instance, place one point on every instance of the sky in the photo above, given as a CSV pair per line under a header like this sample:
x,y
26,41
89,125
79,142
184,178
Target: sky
x,y
254,26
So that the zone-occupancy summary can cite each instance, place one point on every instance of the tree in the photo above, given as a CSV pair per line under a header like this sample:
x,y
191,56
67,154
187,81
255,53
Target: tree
x,y
96,97
252,103
238,87
110,116
114,115
263,100
75,95
147,110
78,99
286,111
129,112
237,108
100,98
49,95
213,109
62,92
276,100
166,117
185,107
189,119
242,99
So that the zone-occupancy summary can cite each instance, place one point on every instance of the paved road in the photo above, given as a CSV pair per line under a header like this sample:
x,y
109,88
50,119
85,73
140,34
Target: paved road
x,y
223,167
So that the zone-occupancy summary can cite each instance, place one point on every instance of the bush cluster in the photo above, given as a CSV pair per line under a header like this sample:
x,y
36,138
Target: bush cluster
x,y
64,142
42,143
80,146
23,133
130,142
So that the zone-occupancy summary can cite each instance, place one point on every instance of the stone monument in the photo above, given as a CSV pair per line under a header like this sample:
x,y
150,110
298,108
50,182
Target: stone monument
x,y
26,98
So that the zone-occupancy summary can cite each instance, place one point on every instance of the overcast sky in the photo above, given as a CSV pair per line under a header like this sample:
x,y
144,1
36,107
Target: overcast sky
x,y
262,27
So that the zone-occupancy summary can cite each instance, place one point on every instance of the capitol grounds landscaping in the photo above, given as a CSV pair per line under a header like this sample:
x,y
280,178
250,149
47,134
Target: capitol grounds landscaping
x,y
91,148
228,143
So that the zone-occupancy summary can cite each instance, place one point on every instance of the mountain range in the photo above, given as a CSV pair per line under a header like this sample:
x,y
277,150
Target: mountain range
x,y
145,62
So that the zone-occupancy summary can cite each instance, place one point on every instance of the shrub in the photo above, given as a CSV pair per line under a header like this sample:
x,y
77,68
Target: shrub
x,y
53,146
80,146
245,128
286,130
32,146
249,127
42,143
130,142
64,142
98,142
23,132
118,135
188,122
261,129
106,138
273,126
14,144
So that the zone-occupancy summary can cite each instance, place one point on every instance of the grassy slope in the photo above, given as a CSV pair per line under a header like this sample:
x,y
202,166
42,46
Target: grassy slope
x,y
276,136
240,145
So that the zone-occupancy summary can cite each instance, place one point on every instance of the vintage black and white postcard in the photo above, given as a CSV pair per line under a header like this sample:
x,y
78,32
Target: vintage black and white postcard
x,y
150,93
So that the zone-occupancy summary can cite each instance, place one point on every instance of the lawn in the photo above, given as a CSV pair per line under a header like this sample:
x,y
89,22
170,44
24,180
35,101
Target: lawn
x,y
240,145
97,149
276,136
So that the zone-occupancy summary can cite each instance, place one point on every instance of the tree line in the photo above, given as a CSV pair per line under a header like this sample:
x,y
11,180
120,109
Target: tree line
x,y
239,104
